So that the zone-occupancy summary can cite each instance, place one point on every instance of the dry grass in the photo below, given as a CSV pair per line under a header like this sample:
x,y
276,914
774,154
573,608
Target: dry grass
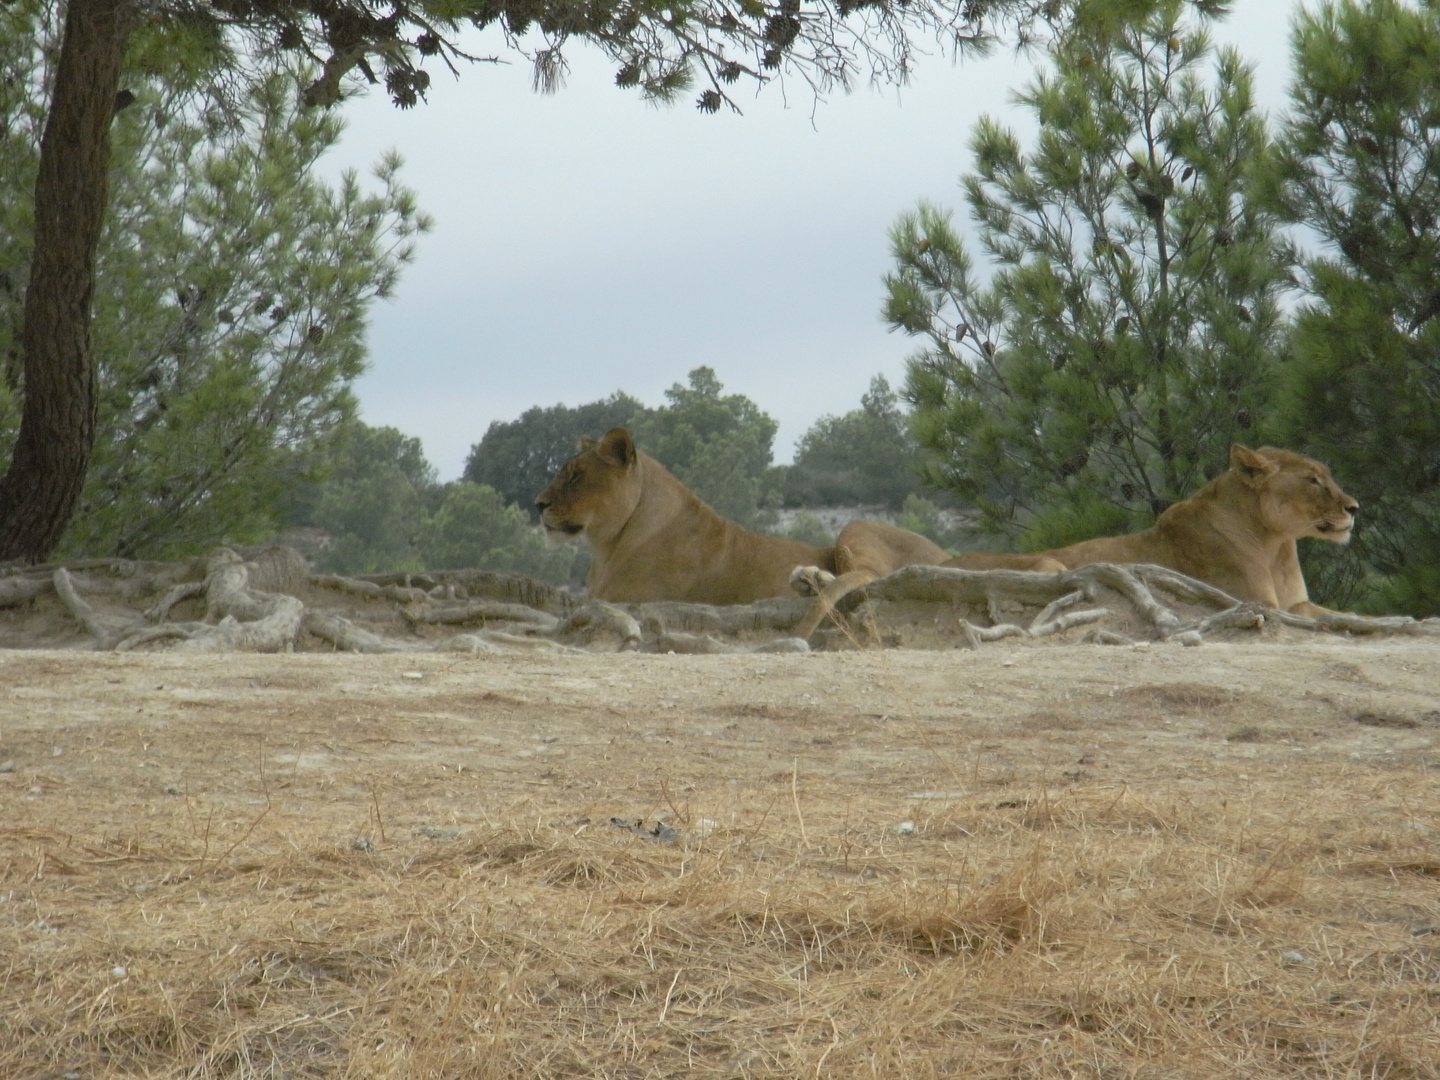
x,y
1251,926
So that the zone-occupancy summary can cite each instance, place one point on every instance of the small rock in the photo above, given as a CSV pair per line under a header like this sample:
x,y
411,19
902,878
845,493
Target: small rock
x,y
7,766
362,843
1141,646
905,828
1291,957
656,831
820,740
119,971
56,751
172,789
412,675
1190,638
37,790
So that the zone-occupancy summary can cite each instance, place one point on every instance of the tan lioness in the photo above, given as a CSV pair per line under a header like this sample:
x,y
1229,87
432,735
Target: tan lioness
x,y
654,539
1238,532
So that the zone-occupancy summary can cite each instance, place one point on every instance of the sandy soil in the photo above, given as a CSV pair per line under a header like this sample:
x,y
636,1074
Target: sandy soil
x,y
448,738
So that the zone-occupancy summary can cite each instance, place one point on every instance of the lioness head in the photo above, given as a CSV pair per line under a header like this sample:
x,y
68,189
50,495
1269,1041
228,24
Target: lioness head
x,y
1298,496
596,491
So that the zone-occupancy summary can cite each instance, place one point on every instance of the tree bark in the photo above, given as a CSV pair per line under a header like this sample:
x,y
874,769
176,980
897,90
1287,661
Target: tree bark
x,y
39,493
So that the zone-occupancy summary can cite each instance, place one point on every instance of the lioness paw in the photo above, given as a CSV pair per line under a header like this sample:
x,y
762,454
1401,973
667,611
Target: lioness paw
x,y
809,580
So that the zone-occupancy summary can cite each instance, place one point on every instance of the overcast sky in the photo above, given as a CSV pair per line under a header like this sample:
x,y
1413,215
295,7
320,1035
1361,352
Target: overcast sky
x,y
587,242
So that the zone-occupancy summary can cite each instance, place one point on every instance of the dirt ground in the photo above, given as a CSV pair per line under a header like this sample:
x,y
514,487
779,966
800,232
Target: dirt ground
x,y
1029,860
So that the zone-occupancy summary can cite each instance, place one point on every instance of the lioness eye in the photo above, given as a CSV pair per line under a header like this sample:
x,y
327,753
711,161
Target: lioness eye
x,y
1315,480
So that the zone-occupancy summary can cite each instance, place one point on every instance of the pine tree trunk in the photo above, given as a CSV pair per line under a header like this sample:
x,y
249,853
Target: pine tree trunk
x,y
57,427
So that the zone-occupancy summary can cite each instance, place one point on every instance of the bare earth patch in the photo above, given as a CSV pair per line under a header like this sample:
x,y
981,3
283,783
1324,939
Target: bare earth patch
x,y
1028,860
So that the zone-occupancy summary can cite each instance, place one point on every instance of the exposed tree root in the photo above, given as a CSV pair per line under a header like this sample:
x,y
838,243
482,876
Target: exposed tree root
x,y
400,594
252,606
597,620
344,634
482,611
22,588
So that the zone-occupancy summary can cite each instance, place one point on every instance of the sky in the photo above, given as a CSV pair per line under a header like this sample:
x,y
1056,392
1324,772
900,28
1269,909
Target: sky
x,y
587,242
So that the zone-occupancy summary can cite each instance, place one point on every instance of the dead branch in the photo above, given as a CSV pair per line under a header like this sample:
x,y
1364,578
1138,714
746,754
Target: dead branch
x,y
1345,622
507,587
105,629
241,619
1055,606
160,611
597,619
687,645
1065,622
400,594
497,641
991,633
482,611
344,634
669,616
21,588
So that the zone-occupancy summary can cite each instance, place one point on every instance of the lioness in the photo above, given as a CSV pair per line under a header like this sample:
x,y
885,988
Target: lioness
x,y
653,539
1238,532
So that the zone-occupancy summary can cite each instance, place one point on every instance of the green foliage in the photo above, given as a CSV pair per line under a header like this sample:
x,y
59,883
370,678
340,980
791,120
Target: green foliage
x,y
1126,334
229,305
383,512
864,457
925,516
518,458
809,529
475,527
371,502
718,444
1359,165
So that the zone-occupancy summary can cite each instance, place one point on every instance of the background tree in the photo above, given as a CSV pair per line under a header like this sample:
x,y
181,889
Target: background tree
x,y
718,444
1126,335
475,527
232,290
865,457
376,493
381,511
658,48
518,458
1359,165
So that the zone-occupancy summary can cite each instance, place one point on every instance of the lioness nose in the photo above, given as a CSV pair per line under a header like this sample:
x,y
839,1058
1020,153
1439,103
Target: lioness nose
x,y
541,503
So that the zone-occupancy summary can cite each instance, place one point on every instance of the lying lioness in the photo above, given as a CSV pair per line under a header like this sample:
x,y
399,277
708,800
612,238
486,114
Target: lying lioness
x,y
653,539
1238,532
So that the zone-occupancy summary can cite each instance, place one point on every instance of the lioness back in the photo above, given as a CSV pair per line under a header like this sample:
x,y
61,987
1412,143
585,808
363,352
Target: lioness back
x,y
654,539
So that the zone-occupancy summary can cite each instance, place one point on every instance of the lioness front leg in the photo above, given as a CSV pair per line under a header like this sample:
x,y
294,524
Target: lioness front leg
x,y
828,595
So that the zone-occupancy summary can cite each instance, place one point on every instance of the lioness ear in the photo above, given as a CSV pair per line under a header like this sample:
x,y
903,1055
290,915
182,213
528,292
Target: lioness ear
x,y
617,448
1250,464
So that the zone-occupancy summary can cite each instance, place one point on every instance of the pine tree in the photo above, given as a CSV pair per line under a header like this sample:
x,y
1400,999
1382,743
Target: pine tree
x,y
1126,332
230,300
1359,165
